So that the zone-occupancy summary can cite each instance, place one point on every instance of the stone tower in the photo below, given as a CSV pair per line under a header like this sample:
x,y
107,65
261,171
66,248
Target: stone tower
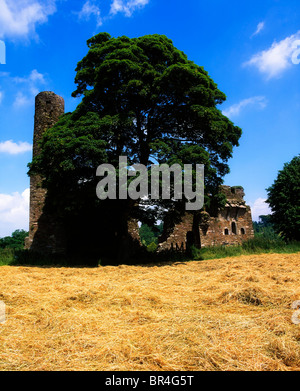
x,y
43,230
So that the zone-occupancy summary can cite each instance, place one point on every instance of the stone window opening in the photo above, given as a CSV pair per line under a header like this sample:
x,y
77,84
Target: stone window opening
x,y
226,232
243,231
233,228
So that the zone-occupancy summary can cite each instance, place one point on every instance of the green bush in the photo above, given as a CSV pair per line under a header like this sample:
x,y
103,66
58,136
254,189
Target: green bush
x,y
194,253
151,248
6,256
15,241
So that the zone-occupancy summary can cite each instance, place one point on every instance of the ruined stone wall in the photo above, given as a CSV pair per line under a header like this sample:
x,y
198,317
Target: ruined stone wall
x,y
44,232
232,226
133,230
178,236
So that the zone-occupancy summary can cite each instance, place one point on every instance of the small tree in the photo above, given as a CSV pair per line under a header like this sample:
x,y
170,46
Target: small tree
x,y
284,200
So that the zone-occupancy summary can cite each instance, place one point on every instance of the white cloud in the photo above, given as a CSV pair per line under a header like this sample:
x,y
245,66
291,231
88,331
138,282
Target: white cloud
x,y
19,18
14,148
89,9
33,77
14,212
21,100
259,28
1,96
259,207
275,60
235,110
32,86
126,7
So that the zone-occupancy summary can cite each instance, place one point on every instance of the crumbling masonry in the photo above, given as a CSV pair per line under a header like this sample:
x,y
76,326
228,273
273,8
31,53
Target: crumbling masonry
x,y
232,225
45,234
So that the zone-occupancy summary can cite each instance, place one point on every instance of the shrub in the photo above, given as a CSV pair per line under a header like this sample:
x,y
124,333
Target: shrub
x,y
152,247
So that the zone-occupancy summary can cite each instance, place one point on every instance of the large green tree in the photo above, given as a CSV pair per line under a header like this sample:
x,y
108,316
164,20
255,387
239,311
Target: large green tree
x,y
284,200
143,98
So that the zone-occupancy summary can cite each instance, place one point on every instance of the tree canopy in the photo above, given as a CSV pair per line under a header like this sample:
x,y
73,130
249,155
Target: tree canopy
x,y
284,200
15,241
141,98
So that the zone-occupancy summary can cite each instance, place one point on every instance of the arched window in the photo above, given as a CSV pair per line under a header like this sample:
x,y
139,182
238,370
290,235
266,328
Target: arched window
x,y
243,231
226,232
233,228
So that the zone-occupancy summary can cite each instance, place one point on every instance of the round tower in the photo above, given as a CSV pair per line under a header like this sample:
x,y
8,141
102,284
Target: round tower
x,y
48,108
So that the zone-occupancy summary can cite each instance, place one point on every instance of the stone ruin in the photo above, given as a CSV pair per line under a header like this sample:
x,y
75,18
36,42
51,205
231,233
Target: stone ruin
x,y
232,225
44,233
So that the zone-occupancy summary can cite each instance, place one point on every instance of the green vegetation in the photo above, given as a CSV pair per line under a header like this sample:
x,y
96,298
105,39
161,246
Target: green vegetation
x,y
257,245
9,245
264,227
7,256
15,241
151,248
13,257
265,241
150,235
284,200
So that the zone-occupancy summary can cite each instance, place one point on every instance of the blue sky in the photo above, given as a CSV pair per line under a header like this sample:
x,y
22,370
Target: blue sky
x,y
250,49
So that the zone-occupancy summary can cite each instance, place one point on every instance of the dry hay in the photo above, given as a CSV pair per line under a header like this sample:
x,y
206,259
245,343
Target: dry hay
x,y
226,314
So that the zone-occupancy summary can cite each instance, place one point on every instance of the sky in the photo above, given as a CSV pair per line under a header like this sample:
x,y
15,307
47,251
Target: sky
x,y
251,49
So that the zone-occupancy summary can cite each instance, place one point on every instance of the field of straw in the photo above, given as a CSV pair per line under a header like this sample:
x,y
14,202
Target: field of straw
x,y
225,314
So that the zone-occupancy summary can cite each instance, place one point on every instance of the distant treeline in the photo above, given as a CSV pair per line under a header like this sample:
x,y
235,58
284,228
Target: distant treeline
x,y
264,227
15,241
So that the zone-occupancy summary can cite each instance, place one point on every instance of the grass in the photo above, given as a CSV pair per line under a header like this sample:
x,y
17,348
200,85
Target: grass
x,y
226,314
7,256
14,257
256,245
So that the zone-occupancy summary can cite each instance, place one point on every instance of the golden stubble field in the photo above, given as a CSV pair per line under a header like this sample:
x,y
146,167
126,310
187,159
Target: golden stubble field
x,y
226,314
